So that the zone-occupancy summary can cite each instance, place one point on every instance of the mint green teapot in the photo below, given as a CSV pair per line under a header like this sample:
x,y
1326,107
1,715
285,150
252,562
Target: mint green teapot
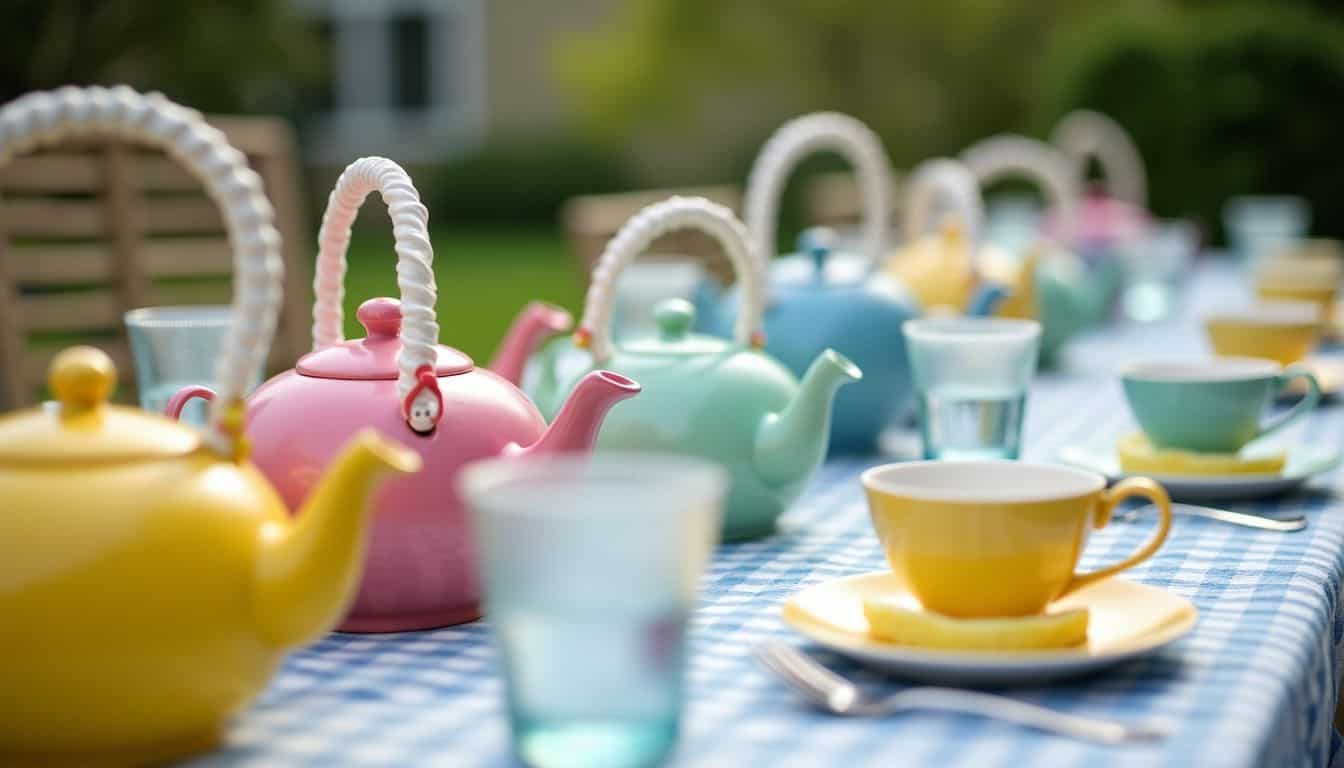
x,y
1071,293
723,400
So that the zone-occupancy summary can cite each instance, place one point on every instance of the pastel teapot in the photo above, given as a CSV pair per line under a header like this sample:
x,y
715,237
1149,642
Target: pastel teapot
x,y
724,400
151,576
822,298
1067,294
420,569
940,261
1113,214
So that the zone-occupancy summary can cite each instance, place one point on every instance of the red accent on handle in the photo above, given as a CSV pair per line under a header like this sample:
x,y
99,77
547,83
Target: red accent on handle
x,y
425,381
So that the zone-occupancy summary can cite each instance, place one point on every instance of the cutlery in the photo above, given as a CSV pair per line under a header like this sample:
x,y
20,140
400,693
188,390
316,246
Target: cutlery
x,y
1283,524
834,694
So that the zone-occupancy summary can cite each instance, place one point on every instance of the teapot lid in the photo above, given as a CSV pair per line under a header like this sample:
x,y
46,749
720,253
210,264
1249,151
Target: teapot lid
x,y
675,318
375,355
819,265
80,426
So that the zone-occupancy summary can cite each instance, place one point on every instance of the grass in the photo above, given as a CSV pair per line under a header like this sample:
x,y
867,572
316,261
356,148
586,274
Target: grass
x,y
484,278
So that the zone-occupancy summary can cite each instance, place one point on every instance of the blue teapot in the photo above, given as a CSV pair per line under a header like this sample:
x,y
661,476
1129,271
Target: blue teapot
x,y
822,297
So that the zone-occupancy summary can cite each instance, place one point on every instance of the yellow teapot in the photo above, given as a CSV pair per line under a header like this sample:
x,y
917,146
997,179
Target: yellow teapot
x,y
941,221
150,577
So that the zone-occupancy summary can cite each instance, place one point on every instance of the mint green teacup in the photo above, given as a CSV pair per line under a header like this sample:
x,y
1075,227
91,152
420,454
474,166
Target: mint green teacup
x,y
1211,405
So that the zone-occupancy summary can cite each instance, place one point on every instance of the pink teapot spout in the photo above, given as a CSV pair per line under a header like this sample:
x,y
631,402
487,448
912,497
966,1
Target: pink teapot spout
x,y
533,325
576,425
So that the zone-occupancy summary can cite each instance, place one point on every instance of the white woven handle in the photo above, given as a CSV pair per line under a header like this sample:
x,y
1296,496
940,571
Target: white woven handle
x,y
47,117
1009,155
638,233
415,256
939,188
794,141
1084,134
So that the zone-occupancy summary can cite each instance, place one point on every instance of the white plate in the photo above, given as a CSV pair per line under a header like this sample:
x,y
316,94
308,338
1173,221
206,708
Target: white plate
x,y
1126,620
1303,462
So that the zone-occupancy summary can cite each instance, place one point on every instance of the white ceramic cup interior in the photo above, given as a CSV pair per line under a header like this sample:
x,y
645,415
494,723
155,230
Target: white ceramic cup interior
x,y
984,482
1272,313
1207,370
1305,271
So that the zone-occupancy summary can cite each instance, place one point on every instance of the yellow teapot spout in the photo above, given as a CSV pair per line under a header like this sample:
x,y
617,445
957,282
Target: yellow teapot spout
x,y
307,570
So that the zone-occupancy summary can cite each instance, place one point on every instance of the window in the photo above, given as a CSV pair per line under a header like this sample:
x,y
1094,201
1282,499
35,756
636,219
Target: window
x,y
411,69
407,77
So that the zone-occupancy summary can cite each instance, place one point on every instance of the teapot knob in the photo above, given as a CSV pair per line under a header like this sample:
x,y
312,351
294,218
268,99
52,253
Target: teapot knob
x,y
674,317
817,242
381,317
82,378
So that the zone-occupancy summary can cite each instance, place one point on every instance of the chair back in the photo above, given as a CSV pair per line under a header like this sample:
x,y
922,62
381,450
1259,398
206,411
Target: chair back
x,y
89,230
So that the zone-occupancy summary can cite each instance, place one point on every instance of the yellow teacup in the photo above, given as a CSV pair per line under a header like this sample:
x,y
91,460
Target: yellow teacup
x,y
1311,279
1284,332
1319,248
979,539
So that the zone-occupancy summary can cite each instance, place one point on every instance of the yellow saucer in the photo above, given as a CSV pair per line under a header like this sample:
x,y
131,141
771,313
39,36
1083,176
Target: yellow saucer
x,y
1126,620
1138,456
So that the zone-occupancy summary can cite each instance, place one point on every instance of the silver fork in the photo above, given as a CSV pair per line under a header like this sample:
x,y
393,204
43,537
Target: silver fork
x,y
836,695
1283,524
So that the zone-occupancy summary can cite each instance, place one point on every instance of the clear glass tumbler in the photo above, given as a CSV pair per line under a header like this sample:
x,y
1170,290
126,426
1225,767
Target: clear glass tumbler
x,y
971,379
590,567
1156,268
1258,226
174,347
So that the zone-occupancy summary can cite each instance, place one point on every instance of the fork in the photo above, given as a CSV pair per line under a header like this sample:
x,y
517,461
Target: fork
x,y
834,694
1283,524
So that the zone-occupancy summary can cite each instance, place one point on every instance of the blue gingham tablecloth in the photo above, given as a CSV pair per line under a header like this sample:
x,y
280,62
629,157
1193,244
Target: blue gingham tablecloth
x,y
1254,685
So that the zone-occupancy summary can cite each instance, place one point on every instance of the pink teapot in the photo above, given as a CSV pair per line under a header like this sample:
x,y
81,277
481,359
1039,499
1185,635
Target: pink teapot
x,y
1114,212
420,570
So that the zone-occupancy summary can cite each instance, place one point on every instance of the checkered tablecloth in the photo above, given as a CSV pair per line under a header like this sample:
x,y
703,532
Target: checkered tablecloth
x,y
1254,685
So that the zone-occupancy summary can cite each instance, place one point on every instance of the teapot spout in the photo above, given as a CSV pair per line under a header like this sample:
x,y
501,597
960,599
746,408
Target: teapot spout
x,y
575,427
533,325
789,444
307,570
987,300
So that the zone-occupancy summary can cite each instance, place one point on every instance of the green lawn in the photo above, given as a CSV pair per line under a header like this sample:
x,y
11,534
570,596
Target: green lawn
x,y
484,279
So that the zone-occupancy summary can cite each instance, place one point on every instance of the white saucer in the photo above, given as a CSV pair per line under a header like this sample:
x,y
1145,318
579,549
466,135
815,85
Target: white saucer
x,y
1303,462
1126,620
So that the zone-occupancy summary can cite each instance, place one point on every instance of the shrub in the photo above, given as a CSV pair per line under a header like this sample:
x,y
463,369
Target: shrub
x,y
523,181
215,55
1222,100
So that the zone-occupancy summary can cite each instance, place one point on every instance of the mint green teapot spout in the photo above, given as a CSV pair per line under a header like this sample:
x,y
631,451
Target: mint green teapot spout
x,y
723,400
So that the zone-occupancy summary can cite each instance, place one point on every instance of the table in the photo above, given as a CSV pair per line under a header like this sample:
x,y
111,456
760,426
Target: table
x,y
1254,685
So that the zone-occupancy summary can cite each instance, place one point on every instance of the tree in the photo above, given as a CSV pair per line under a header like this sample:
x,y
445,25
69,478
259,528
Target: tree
x,y
1222,99
217,55
929,77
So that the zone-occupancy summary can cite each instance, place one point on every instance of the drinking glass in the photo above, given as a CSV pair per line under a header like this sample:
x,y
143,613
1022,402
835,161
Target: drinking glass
x,y
1012,222
174,347
971,378
590,567
1156,267
1260,225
